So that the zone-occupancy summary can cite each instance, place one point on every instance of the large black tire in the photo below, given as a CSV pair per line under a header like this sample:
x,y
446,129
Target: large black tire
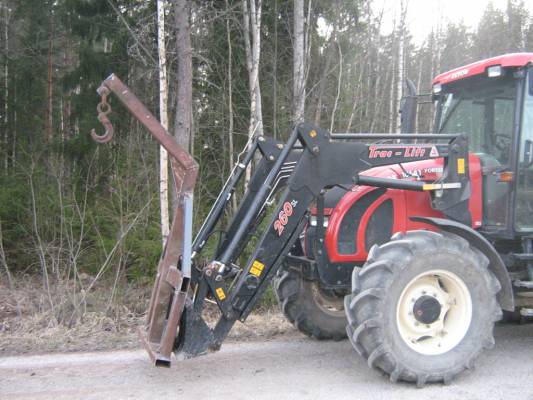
x,y
314,312
376,307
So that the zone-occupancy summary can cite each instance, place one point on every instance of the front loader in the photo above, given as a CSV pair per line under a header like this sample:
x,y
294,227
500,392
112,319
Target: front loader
x,y
299,171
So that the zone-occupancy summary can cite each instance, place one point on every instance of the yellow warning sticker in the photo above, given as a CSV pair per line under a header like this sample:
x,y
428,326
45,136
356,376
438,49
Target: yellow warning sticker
x,y
257,268
460,165
220,293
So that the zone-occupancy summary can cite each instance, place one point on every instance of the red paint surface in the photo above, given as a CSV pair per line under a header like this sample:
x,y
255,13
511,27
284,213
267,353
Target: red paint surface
x,y
405,204
480,67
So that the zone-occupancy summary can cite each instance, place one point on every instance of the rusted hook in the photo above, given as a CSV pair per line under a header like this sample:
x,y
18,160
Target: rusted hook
x,y
103,109
108,135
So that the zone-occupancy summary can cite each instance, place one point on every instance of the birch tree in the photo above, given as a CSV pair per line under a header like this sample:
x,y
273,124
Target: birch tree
x,y
230,100
163,116
252,45
401,63
298,62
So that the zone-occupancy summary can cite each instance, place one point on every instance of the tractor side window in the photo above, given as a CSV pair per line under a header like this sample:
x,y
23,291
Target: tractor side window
x,y
463,115
503,128
485,113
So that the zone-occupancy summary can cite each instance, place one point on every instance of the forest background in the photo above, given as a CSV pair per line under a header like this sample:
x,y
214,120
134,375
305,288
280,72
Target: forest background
x,y
82,225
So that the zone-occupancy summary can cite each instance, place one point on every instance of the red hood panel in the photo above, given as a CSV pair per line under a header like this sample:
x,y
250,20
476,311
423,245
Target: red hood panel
x,y
405,203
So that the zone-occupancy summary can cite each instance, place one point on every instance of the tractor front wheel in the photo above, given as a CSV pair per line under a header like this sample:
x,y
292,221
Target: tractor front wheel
x,y
314,311
423,307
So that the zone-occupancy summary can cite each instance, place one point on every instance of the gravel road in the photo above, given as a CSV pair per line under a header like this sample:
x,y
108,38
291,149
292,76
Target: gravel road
x,y
284,368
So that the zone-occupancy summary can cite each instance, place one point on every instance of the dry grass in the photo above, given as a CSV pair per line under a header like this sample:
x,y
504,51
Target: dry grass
x,y
95,321
75,322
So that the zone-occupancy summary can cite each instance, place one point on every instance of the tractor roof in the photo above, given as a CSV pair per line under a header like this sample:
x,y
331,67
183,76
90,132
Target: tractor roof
x,y
479,67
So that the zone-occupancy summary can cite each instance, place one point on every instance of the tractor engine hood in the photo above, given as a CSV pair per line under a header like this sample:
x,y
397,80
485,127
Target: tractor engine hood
x,y
348,213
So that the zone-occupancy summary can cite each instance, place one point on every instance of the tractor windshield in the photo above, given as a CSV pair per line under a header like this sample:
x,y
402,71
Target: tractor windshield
x,y
484,110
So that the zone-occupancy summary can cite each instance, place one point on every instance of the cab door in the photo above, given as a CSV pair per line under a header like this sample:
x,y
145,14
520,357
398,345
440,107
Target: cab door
x,y
485,110
524,171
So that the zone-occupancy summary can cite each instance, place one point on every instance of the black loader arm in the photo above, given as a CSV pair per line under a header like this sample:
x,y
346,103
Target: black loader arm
x,y
320,162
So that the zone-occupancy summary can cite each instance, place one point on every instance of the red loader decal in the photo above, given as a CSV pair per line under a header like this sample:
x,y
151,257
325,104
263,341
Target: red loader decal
x,y
283,216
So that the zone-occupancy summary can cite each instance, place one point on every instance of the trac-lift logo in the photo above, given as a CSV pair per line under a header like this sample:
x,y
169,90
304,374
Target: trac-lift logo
x,y
402,151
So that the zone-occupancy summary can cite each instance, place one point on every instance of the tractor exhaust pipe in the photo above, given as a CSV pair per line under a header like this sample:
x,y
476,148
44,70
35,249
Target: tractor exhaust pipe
x,y
408,109
174,270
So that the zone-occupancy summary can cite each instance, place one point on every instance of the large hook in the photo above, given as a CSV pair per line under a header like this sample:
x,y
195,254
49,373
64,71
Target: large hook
x,y
103,109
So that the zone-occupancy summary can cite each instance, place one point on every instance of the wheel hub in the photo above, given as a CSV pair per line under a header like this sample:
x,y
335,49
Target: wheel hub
x,y
434,312
426,309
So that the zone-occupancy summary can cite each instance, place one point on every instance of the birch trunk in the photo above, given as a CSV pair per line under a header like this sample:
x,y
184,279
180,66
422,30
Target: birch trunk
x,y
298,62
252,45
357,87
401,64
339,82
391,95
418,87
230,103
163,117
328,52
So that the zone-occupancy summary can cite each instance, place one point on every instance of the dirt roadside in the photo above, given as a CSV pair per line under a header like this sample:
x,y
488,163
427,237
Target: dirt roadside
x,y
97,333
29,326
286,367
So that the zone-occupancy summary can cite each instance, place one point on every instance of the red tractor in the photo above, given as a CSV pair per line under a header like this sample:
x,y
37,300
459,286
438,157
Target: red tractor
x,y
411,244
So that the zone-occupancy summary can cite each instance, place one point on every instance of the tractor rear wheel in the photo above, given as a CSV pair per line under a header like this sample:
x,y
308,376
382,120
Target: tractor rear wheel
x,y
423,307
316,312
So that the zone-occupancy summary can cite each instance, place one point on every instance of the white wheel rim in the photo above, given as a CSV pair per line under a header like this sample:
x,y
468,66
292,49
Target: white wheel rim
x,y
452,322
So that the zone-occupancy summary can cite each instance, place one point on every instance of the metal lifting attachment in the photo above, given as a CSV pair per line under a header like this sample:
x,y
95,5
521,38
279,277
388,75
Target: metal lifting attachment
x,y
310,161
174,269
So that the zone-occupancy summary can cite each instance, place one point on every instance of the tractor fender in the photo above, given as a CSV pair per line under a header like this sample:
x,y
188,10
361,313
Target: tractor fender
x,y
497,267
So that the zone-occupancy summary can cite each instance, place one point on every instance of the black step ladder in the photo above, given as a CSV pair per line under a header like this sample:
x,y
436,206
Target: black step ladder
x,y
527,257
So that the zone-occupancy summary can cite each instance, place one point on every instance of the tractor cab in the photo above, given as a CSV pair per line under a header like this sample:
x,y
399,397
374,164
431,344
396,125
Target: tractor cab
x,y
492,102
